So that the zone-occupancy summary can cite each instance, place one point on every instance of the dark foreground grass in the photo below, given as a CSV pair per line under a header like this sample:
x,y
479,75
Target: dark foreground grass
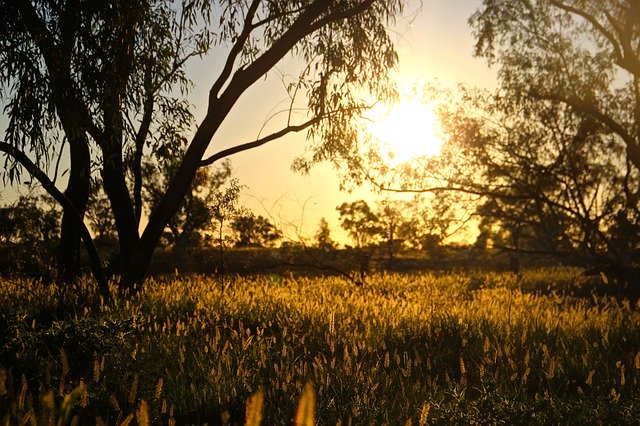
x,y
423,349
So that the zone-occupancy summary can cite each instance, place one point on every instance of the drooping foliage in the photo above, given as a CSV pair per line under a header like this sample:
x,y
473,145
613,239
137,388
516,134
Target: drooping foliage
x,y
568,147
550,161
108,79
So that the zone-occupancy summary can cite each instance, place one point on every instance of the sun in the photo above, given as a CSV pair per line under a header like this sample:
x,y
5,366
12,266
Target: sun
x,y
405,131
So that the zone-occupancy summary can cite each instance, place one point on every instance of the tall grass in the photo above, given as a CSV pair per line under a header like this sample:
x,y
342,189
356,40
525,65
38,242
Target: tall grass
x,y
450,348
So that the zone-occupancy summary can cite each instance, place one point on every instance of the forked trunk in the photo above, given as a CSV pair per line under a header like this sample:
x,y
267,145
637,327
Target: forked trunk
x,y
136,264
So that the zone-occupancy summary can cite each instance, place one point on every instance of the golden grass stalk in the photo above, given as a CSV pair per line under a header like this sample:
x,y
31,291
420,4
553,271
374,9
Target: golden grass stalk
x,y
254,409
306,413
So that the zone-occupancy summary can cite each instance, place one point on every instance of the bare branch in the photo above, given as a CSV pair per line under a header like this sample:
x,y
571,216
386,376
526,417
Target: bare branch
x,y
495,192
259,142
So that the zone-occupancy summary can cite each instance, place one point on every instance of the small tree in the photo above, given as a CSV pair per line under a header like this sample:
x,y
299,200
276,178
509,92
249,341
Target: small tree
x,y
224,209
391,221
364,228
323,236
254,231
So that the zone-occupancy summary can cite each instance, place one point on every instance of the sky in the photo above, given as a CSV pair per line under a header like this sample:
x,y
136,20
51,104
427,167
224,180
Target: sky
x,y
436,45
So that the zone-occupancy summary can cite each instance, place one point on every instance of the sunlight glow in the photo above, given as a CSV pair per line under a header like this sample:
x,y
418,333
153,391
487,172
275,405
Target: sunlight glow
x,y
405,131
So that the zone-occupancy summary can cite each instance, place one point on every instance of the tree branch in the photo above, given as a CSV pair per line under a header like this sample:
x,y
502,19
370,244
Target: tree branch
x,y
588,108
272,18
341,15
65,94
259,142
68,206
593,21
235,51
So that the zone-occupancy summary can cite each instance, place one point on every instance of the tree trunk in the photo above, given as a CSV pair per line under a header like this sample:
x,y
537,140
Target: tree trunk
x,y
50,187
78,189
137,263
220,104
122,207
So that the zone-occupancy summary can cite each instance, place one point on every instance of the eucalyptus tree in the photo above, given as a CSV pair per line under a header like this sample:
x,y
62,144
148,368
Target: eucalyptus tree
x,y
361,223
92,81
551,159
250,230
548,182
108,79
570,91
323,239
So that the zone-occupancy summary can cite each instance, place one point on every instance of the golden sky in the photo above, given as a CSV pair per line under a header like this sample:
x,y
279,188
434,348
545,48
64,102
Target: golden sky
x,y
438,45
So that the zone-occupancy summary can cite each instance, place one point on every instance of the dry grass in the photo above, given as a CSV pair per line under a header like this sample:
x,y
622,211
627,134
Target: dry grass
x,y
428,349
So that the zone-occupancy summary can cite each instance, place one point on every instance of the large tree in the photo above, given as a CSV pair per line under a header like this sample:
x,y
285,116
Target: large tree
x,y
92,81
105,76
551,159
568,144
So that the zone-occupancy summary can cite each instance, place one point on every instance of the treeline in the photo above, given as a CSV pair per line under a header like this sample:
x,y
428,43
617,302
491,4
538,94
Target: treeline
x,y
213,234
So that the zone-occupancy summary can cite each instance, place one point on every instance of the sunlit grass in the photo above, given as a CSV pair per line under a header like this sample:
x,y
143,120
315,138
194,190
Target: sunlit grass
x,y
425,348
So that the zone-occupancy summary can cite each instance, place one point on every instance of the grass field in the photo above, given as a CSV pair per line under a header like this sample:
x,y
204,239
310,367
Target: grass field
x,y
403,348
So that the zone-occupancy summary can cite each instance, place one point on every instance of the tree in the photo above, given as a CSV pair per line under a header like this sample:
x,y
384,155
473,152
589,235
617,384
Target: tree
x,y
224,209
225,206
365,230
548,180
106,75
8,224
323,236
551,160
30,226
93,76
391,221
423,223
254,231
570,107
30,221
194,221
360,222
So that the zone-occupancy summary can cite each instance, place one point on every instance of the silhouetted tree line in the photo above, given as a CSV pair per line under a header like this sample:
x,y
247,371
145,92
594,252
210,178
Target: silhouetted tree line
x,y
212,218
